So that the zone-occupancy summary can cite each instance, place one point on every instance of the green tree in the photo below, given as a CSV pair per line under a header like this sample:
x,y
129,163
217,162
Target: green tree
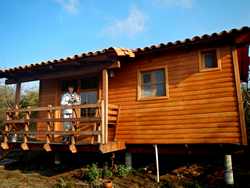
x,y
6,100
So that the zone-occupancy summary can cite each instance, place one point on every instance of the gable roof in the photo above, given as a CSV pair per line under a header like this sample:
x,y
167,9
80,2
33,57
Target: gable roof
x,y
125,52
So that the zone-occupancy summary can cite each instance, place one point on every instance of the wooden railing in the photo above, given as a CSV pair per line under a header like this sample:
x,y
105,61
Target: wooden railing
x,y
87,125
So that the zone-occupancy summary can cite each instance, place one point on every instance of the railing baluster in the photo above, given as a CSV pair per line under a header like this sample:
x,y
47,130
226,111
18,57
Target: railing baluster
x,y
24,145
4,144
46,146
102,123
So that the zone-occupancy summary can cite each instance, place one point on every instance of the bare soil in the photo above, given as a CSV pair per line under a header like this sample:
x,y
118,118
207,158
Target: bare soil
x,y
35,170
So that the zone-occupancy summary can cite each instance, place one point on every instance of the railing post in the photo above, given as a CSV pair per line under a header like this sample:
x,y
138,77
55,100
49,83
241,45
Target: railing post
x,y
99,114
72,146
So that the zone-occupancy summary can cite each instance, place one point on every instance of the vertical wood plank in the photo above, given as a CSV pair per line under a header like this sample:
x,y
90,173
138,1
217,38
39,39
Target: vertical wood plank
x,y
105,98
239,97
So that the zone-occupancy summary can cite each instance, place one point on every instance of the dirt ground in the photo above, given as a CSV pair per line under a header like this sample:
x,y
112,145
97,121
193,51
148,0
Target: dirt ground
x,y
35,170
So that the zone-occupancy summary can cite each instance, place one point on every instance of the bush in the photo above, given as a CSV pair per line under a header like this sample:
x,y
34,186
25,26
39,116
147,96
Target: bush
x,y
123,170
106,173
93,173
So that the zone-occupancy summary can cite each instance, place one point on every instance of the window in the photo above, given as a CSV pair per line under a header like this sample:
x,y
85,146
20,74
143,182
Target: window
x,y
209,60
152,83
89,83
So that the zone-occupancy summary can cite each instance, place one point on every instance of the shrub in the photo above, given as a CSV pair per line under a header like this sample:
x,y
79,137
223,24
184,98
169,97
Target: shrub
x,y
106,173
123,170
92,174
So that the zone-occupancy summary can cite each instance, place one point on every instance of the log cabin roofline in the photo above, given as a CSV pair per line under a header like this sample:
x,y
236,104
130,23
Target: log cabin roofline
x,y
234,37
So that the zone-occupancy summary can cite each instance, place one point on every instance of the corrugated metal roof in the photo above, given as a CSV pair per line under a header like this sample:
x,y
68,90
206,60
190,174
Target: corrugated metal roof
x,y
131,52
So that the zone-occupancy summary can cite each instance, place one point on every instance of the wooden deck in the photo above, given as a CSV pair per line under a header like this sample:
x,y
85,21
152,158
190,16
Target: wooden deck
x,y
88,129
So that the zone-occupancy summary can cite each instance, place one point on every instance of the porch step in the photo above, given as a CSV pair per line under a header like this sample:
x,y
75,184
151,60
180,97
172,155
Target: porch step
x,y
112,146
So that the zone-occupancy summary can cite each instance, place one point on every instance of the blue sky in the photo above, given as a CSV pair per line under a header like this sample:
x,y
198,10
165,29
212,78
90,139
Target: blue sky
x,y
35,30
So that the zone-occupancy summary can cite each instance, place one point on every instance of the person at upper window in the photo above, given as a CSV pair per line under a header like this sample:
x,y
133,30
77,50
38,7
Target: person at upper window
x,y
68,99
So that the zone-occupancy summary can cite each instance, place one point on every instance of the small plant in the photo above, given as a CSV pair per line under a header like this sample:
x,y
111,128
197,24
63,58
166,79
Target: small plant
x,y
123,170
62,183
106,173
92,174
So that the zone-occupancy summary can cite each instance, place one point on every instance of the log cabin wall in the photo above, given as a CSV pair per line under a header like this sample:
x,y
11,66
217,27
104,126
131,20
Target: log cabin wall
x,y
48,95
201,108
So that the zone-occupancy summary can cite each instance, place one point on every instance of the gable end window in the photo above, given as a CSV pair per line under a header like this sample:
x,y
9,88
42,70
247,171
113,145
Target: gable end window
x,y
152,84
209,60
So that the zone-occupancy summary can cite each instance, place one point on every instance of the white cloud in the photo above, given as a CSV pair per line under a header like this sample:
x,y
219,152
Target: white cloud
x,y
177,3
71,6
133,24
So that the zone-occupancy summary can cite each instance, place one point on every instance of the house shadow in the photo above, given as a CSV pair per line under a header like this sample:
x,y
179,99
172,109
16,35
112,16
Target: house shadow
x,y
42,162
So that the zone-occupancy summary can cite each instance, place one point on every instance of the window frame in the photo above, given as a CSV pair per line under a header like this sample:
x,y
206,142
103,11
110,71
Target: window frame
x,y
202,67
139,84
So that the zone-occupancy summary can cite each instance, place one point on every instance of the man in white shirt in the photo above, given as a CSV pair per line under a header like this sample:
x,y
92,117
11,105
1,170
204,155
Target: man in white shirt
x,y
68,99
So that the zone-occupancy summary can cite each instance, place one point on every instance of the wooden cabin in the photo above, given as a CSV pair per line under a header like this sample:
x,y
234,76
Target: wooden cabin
x,y
172,94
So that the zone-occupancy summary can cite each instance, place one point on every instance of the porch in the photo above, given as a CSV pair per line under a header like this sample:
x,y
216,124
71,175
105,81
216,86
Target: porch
x,y
94,123
86,130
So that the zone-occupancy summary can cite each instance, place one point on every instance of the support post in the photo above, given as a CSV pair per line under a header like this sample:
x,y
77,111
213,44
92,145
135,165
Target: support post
x,y
228,173
105,98
18,93
128,159
239,97
157,163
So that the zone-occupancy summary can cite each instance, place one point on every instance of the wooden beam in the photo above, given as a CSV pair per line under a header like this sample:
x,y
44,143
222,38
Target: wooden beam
x,y
18,93
112,146
57,72
105,99
239,97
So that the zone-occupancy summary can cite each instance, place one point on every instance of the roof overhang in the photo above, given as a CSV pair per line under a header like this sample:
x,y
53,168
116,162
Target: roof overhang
x,y
70,66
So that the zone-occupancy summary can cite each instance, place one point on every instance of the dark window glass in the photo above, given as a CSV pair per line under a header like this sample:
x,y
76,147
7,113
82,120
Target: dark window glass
x,y
89,83
153,83
209,59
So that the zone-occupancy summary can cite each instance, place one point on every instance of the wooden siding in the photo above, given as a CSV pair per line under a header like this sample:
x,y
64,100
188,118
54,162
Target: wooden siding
x,y
202,106
47,96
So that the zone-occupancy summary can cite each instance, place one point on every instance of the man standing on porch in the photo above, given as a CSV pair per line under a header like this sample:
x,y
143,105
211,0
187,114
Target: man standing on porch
x,y
68,99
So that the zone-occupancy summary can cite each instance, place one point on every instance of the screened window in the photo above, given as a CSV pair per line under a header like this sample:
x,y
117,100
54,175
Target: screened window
x,y
153,83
